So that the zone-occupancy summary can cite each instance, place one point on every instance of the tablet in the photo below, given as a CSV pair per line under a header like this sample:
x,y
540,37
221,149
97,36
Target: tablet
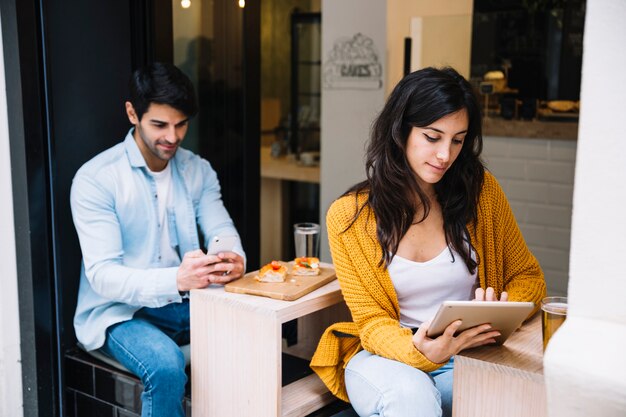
x,y
504,316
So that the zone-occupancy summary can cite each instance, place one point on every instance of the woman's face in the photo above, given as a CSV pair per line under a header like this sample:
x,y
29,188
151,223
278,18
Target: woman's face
x,y
431,150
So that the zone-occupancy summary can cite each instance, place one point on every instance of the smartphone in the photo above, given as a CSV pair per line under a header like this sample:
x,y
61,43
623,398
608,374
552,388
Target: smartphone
x,y
222,244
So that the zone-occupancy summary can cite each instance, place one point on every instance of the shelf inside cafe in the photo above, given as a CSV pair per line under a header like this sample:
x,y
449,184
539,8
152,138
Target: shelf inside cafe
x,y
526,61
506,114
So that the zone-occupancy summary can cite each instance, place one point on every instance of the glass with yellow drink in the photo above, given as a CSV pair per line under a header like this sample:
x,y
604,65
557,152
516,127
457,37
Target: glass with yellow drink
x,y
553,314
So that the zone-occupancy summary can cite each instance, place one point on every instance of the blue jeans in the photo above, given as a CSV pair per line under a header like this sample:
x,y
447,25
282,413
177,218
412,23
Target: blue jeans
x,y
148,345
383,387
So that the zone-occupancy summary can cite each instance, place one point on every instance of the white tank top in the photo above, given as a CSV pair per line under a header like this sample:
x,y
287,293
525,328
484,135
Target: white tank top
x,y
422,286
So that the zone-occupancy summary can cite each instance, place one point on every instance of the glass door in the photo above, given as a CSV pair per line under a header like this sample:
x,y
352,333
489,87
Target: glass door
x,y
215,42
306,45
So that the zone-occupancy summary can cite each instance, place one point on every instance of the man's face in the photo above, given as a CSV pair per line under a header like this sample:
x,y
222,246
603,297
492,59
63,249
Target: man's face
x,y
159,133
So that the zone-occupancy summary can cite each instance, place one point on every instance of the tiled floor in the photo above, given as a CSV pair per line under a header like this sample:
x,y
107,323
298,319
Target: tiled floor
x,y
95,389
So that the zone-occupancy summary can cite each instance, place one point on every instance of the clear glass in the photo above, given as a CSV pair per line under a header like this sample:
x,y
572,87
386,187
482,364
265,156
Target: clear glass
x,y
553,314
307,239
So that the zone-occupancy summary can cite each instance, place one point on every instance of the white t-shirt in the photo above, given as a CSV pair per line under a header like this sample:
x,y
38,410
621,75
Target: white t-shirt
x,y
422,286
163,179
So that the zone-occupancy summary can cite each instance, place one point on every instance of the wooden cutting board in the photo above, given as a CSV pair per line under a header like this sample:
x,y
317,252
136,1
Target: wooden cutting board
x,y
294,287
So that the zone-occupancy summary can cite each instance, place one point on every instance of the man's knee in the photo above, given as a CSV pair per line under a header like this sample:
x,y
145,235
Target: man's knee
x,y
168,371
170,375
171,362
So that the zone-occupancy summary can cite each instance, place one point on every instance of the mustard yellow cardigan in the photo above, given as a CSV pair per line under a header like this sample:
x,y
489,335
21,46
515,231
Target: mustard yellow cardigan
x,y
505,263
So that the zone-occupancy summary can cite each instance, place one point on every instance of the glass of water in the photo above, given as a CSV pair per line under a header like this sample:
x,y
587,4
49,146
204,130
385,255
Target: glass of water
x,y
307,239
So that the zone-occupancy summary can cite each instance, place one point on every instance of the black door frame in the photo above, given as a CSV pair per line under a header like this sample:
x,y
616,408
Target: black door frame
x,y
28,137
29,99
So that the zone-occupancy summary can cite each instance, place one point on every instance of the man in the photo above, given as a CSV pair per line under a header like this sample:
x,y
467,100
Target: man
x,y
141,210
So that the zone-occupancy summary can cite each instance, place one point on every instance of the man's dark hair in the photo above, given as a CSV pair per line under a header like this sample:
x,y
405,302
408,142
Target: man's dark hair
x,y
162,83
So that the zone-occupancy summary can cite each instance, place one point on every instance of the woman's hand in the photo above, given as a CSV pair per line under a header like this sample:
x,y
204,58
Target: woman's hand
x,y
443,347
489,295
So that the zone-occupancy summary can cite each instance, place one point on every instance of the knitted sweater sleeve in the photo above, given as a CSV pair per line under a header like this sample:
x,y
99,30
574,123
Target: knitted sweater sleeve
x,y
517,268
365,293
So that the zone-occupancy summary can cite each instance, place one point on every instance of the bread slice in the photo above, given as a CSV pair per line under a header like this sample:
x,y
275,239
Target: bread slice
x,y
306,266
273,272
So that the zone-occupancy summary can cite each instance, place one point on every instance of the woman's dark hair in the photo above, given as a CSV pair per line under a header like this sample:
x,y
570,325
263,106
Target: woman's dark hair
x,y
419,99
162,83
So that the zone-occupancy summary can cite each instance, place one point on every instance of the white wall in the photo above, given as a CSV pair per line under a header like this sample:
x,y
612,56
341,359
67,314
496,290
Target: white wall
x,y
347,112
442,41
585,362
537,176
446,34
10,357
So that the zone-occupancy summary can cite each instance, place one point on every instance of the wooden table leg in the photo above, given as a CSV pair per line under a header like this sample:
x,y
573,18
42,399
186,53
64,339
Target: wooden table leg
x,y
483,389
235,359
496,381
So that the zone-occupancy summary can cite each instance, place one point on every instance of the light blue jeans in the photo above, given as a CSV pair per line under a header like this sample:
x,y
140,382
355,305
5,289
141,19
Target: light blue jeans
x,y
148,345
380,387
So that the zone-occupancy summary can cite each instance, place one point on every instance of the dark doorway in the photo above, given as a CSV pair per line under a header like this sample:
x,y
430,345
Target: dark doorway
x,y
67,65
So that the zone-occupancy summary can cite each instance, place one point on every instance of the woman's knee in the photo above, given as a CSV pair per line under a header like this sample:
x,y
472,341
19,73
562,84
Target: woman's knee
x,y
380,386
416,394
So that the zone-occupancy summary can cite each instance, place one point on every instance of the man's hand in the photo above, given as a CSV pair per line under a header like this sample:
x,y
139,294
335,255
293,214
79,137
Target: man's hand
x,y
442,348
195,270
228,268
199,270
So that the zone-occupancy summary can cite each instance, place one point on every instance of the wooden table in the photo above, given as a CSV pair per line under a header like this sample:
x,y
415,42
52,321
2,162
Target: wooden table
x,y
283,168
502,381
236,351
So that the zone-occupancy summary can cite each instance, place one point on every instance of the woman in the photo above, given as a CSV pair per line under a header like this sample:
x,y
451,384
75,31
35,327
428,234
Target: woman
x,y
427,225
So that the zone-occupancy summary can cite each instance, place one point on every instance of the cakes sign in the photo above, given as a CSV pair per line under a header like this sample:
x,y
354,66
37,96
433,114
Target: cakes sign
x,y
353,64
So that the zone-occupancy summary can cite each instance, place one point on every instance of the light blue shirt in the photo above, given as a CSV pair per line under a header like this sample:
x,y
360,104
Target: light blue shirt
x,y
115,211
